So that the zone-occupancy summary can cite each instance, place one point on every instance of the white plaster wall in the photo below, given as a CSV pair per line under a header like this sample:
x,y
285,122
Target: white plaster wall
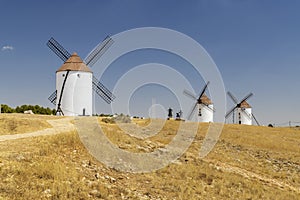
x,y
246,117
207,115
77,94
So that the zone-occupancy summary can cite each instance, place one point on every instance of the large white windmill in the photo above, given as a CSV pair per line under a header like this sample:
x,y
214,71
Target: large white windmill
x,y
204,104
75,81
242,111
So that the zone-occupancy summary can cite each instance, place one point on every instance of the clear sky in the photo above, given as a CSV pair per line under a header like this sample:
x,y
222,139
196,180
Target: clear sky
x,y
255,45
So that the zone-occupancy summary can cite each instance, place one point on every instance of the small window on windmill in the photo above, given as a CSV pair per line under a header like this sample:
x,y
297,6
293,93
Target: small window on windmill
x,y
63,75
200,114
78,75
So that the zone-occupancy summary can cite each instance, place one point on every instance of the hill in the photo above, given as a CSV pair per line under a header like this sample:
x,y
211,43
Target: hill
x,y
248,162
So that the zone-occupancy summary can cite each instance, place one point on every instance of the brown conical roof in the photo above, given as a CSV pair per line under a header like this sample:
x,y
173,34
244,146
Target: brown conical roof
x,y
74,63
244,104
205,100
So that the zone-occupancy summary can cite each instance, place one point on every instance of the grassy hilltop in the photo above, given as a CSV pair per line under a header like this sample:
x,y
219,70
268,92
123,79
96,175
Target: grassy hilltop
x,y
248,162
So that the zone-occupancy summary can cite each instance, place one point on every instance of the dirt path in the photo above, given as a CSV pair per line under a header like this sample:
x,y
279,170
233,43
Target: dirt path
x,y
251,175
58,126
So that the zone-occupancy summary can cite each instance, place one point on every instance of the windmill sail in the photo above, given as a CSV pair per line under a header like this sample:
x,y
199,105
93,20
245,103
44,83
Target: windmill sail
x,y
91,59
238,104
199,100
94,56
192,112
231,111
232,97
255,120
189,94
52,98
102,91
241,104
246,97
58,49
203,90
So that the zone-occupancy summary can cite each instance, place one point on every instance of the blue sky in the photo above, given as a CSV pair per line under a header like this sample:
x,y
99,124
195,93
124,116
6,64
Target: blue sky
x,y
255,45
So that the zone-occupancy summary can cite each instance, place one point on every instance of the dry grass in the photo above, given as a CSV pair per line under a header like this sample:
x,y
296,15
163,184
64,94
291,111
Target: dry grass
x,y
59,167
36,168
142,122
124,141
273,152
22,123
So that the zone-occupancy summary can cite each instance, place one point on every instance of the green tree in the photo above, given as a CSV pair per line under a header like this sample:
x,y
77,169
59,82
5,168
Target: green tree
x,y
6,109
36,109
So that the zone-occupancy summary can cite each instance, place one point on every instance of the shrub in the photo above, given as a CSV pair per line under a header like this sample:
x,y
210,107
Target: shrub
x,y
122,118
119,118
108,120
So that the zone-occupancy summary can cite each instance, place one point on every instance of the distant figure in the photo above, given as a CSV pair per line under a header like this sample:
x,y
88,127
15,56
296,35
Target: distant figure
x,y
170,111
179,115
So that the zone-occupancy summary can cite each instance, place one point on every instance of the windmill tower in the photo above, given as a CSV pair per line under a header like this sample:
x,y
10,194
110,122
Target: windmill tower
x,y
75,81
242,110
204,104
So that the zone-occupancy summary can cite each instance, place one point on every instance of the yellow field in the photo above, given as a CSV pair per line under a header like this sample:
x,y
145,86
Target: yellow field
x,y
21,123
248,162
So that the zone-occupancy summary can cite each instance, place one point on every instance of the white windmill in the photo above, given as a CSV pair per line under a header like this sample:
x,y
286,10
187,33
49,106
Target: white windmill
x,y
75,81
242,111
204,104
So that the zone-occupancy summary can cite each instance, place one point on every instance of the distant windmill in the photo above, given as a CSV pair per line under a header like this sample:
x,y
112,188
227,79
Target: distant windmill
x,y
242,110
205,106
75,80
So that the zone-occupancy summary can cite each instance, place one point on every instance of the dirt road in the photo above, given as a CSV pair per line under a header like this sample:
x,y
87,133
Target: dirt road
x,y
58,126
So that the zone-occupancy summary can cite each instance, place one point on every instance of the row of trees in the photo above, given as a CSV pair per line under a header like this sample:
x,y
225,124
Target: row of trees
x,y
20,109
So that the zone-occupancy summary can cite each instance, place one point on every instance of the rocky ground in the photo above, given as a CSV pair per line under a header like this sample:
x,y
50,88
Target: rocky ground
x,y
247,162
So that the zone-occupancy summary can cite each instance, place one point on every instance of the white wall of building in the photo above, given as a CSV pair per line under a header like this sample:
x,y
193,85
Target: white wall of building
x,y
243,117
77,94
207,115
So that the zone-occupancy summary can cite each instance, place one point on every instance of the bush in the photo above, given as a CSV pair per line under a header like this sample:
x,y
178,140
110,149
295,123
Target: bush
x,y
119,118
108,120
122,118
